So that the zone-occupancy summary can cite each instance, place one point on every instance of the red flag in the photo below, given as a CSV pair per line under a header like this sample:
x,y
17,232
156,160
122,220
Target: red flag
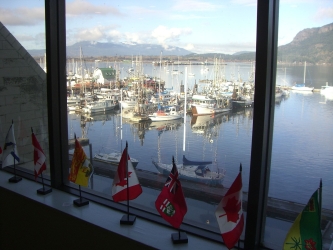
x,y
229,214
120,185
171,203
39,157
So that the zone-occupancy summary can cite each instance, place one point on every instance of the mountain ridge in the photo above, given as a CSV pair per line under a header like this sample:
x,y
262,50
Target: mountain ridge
x,y
314,45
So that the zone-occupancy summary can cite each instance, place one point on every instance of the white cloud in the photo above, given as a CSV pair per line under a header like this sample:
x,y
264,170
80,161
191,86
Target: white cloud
x,y
22,16
194,5
83,7
163,34
324,13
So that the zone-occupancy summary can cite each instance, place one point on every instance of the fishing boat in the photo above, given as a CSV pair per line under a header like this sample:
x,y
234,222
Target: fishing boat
x,y
204,105
113,158
196,171
100,106
166,113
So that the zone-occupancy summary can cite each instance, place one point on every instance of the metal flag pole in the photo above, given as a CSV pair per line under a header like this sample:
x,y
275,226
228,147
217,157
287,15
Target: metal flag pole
x,y
240,170
79,202
127,219
15,178
127,181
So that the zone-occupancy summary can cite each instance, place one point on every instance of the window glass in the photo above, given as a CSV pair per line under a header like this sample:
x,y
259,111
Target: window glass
x,y
23,88
302,139
146,57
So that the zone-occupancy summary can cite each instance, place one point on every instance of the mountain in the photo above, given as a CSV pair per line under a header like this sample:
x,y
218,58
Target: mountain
x,y
96,49
313,45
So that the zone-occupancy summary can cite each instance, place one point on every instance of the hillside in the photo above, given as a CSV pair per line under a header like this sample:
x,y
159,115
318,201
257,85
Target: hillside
x,y
313,45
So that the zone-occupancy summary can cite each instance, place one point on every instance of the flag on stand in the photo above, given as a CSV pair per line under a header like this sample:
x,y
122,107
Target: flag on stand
x,y
81,168
9,153
39,156
229,213
305,233
171,203
121,183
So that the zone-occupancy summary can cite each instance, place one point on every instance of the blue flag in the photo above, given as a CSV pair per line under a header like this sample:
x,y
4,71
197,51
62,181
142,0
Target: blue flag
x,y
10,154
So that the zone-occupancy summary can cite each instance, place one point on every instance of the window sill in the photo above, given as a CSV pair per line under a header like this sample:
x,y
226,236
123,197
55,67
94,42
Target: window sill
x,y
143,231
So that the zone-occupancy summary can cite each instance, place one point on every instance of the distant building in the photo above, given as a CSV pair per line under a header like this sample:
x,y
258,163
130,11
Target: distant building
x,y
104,75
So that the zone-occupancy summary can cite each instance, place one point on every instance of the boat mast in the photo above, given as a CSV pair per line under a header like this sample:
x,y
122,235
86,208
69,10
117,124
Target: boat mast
x,y
184,109
159,83
304,71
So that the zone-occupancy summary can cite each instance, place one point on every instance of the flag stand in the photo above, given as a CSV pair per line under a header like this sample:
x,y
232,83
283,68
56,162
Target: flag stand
x,y
14,179
179,237
127,219
44,190
82,201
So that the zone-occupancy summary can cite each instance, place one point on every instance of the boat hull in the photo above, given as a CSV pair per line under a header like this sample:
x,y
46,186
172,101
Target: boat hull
x,y
113,158
188,173
202,110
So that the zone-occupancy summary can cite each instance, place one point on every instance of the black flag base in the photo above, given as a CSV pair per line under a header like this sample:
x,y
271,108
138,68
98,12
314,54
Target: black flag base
x,y
44,190
178,238
128,219
81,202
15,179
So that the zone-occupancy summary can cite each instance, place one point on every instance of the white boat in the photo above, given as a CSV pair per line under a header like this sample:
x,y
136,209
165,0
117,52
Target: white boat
x,y
167,113
128,102
326,90
113,158
203,105
301,86
196,171
100,106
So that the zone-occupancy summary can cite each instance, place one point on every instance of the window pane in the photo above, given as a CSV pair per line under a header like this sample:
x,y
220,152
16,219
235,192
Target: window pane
x,y
302,140
23,88
119,61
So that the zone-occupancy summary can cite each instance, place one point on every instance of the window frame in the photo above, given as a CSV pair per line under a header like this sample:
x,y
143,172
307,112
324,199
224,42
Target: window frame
x,y
263,115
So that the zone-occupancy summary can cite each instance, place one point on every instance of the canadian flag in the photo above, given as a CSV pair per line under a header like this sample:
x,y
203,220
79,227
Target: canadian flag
x,y
39,156
229,214
121,183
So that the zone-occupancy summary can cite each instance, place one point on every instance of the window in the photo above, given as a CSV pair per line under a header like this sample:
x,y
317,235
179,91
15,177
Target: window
x,y
250,132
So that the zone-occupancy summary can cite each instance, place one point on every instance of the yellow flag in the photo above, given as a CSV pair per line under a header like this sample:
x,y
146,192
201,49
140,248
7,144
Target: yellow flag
x,y
81,168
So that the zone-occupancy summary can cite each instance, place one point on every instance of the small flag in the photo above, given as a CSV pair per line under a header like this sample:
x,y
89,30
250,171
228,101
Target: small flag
x,y
10,154
171,203
121,183
39,156
81,168
305,233
229,214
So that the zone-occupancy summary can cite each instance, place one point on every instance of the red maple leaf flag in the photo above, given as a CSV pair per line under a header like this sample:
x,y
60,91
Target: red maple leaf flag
x,y
229,214
171,203
39,157
121,183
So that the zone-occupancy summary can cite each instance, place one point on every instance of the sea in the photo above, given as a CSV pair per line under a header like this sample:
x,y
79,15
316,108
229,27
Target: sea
x,y
302,152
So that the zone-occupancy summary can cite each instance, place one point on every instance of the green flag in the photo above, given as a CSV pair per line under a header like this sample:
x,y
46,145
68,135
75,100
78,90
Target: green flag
x,y
305,233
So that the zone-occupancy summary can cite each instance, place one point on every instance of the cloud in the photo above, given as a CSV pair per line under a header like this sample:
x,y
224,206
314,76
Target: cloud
x,y
194,5
163,34
324,13
225,48
22,16
245,2
82,7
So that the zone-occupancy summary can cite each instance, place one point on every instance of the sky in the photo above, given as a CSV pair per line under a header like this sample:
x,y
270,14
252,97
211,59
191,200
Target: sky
x,y
211,26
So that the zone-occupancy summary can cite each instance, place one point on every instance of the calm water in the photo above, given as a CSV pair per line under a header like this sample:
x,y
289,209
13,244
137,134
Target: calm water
x,y
302,144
